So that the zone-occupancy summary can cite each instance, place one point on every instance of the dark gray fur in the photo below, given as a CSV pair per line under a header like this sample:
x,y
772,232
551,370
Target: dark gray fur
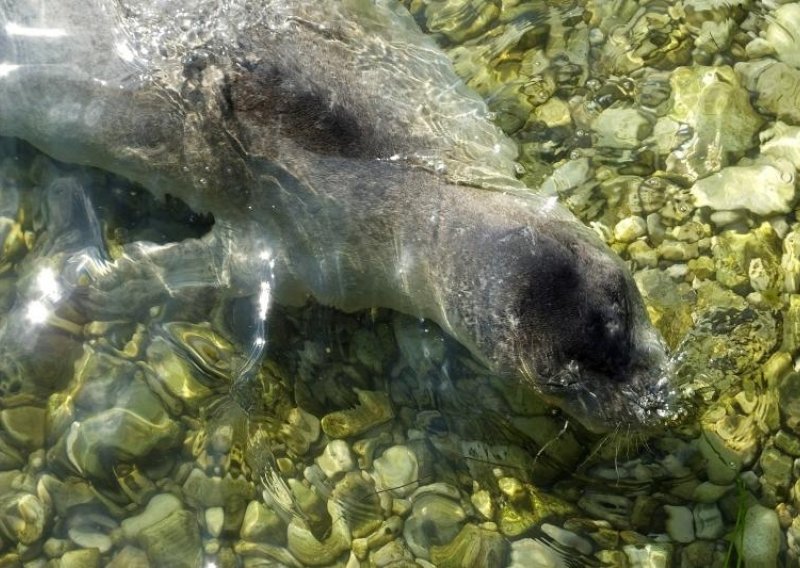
x,y
336,136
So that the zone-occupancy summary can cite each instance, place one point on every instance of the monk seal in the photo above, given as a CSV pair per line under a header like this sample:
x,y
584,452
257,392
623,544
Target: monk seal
x,y
334,140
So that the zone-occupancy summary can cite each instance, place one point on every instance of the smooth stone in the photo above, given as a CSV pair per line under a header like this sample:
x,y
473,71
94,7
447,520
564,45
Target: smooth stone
x,y
701,267
86,538
211,547
648,555
374,408
336,459
782,141
777,468
174,541
483,503
568,539
616,509
701,553
22,517
708,522
87,558
56,547
731,188
725,218
25,425
136,428
393,553
620,128
397,471
359,506
473,547
262,524
642,254
690,232
215,518
679,523
554,112
201,490
760,542
529,553
312,552
678,250
129,557
434,520
629,229
707,492
158,508
259,555
787,442
722,463
789,390
781,34
655,228
300,430
716,107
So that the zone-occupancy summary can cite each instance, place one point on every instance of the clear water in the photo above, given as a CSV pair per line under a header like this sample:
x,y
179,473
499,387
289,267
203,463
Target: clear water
x,y
159,407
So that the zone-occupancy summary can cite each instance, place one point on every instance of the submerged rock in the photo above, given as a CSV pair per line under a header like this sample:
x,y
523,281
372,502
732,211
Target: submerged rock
x,y
733,188
715,107
173,541
473,547
435,520
760,542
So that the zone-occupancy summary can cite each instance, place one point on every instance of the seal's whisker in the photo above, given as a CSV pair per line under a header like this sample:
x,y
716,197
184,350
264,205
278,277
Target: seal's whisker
x,y
616,451
551,441
646,445
600,443
629,442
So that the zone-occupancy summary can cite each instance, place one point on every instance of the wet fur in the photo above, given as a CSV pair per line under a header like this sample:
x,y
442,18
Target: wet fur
x,y
309,138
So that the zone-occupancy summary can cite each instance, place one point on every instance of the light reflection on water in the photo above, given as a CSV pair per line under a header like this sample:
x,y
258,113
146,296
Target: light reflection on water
x,y
488,458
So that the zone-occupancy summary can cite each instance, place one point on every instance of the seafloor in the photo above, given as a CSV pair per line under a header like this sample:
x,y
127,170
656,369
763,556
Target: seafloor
x,y
671,128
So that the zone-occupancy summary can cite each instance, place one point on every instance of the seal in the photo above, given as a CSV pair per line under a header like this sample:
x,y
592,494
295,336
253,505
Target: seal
x,y
335,140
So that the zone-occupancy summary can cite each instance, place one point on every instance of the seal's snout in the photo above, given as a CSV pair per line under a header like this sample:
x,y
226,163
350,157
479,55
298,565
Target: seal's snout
x,y
585,341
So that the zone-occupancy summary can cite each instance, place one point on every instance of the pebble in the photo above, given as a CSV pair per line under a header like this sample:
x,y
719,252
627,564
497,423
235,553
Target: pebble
x,y
777,468
761,540
528,552
621,128
732,188
215,518
708,522
397,470
129,557
787,442
678,250
707,492
25,425
87,558
679,524
158,508
567,538
629,229
336,459
649,555
262,524
789,397
173,541
642,254
90,539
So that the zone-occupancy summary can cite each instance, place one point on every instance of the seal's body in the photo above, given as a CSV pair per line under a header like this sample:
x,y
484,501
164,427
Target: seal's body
x,y
336,139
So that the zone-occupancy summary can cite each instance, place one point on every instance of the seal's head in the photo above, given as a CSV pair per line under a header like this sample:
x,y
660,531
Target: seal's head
x,y
575,328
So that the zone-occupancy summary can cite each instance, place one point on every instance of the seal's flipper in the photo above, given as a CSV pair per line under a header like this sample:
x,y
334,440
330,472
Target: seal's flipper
x,y
78,119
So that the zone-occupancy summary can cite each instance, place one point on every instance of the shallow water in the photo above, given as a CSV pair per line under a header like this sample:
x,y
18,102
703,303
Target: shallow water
x,y
193,431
